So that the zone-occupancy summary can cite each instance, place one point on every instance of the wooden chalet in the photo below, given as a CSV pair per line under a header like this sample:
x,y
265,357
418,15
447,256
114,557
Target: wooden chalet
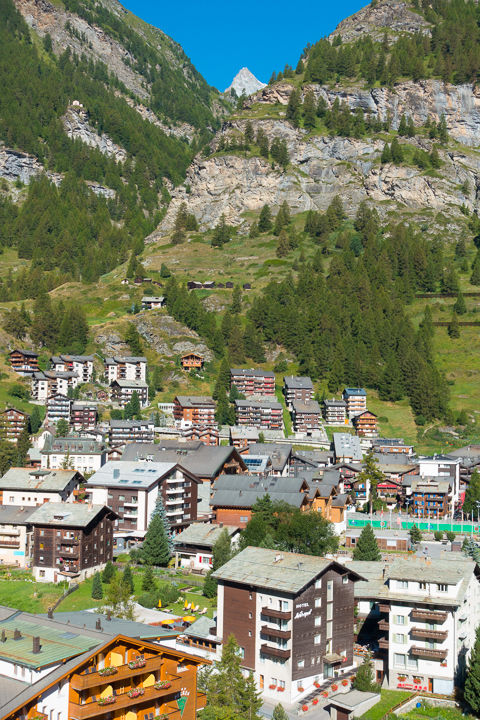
x,y
192,360
24,362
366,424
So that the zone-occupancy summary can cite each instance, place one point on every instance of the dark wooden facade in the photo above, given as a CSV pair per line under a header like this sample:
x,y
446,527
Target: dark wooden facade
x,y
24,361
240,619
12,422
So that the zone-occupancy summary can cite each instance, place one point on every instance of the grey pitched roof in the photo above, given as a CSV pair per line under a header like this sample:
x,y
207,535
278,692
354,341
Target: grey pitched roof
x,y
196,457
299,406
67,514
297,383
283,571
393,458
335,403
115,626
130,423
244,490
203,534
116,359
347,446
130,474
10,688
469,451
73,444
194,400
15,515
266,403
36,479
279,454
425,485
256,373
130,383
71,358
202,628
30,353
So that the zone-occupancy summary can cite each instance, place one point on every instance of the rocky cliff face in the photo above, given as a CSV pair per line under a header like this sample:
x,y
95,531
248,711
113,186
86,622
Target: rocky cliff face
x,y
322,167
75,122
391,16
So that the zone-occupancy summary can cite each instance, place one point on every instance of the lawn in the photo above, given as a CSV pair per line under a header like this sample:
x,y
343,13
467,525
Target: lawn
x,y
390,698
429,711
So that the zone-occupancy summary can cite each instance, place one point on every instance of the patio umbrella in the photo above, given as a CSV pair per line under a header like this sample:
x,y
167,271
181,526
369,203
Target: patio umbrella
x,y
185,606
168,621
188,618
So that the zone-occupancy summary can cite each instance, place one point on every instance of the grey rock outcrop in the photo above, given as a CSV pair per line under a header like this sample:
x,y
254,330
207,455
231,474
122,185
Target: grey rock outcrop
x,y
75,122
324,166
392,15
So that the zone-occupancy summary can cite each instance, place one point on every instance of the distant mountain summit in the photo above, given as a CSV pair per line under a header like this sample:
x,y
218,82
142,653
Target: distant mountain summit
x,y
244,80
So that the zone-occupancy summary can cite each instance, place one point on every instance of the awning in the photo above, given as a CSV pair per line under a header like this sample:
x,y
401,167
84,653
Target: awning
x,y
333,658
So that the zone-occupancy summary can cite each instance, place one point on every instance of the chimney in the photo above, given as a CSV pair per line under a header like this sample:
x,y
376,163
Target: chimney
x,y
385,571
50,613
36,645
17,634
89,507
109,616
3,638
98,625
116,473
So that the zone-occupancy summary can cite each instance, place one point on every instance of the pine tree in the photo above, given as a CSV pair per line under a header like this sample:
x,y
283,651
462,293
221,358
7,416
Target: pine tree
x,y
155,549
149,583
475,277
336,375
283,245
134,340
396,151
254,231
309,110
386,154
97,589
249,134
127,579
367,547
62,428
364,677
472,493
402,128
159,511
442,130
265,219
236,349
108,572
371,475
236,306
35,420
454,327
391,383
222,233
472,683
164,271
23,444
460,307
415,534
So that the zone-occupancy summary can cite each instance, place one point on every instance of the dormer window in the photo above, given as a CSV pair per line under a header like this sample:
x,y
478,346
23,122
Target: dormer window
x,y
402,584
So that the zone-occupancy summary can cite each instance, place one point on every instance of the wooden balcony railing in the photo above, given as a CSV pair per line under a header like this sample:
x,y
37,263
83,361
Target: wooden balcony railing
x,y
275,632
275,652
93,709
384,625
440,635
383,643
201,700
84,681
437,616
278,614
430,653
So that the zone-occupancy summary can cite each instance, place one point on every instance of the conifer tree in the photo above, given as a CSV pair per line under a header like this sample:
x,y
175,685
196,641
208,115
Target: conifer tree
x,y
475,277
472,682
391,383
367,547
364,677
35,420
472,493
164,271
415,534
135,404
402,128
279,223
335,378
236,349
108,572
97,589
396,151
371,475
283,245
236,306
134,340
222,233
454,327
460,307
127,579
159,511
249,134
23,444
265,219
149,583
155,549
309,110
386,154
254,231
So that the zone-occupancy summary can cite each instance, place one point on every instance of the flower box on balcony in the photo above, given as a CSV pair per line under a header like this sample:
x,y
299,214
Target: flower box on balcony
x,y
136,692
316,684
138,663
272,687
443,664
104,672
305,708
162,716
402,678
300,689
109,700
345,682
162,685
325,693
315,701
334,687
280,689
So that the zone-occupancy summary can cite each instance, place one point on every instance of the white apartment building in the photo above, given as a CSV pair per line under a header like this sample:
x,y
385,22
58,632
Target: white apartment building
x,y
47,383
428,611
80,364
443,466
75,452
27,487
15,534
127,368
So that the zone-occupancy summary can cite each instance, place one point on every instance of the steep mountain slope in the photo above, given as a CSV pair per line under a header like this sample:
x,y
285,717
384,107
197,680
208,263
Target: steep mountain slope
x,y
75,79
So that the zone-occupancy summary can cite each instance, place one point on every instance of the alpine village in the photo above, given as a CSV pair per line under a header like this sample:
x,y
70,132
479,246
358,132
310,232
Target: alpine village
x,y
239,371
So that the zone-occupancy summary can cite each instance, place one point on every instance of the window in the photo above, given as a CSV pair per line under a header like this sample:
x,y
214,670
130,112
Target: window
x,y
318,621
41,558
318,583
274,682
442,588
281,684
330,611
400,619
329,629
316,639
345,579
12,499
422,586
121,497
318,602
284,605
329,590
241,652
251,596
402,584
399,660
41,546
42,533
412,662
244,519
42,573
58,533
300,664
249,633
399,638
250,615
312,661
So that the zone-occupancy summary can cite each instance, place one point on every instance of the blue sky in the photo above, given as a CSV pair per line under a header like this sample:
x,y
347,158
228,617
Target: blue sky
x,y
220,39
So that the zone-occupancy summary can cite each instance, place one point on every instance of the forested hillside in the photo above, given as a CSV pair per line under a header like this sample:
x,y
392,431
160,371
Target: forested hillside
x,y
68,231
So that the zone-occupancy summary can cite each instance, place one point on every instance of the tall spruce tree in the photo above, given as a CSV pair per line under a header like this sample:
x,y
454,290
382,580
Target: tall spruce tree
x,y
23,444
279,712
35,420
135,405
127,579
149,584
108,572
472,683
364,678
156,549
367,547
265,219
97,589
454,327
460,307
159,511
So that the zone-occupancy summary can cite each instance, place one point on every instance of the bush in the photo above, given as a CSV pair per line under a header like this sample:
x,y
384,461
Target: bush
x,y
420,420
19,391
166,592
438,535
451,535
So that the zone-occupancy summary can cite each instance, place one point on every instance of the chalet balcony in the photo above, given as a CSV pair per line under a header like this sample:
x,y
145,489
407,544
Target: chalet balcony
x,y
275,632
383,644
93,709
429,653
69,541
384,607
278,614
84,681
201,701
440,635
275,652
424,615
9,543
384,625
